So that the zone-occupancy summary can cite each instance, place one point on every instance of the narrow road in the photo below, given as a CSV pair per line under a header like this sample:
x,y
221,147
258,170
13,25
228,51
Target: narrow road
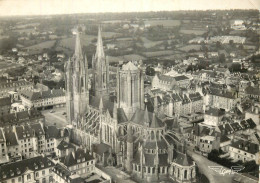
x,y
203,164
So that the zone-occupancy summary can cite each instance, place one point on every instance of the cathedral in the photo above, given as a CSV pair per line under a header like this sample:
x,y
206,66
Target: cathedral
x,y
121,131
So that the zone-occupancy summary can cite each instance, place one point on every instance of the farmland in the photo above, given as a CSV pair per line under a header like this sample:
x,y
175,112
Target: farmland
x,y
39,47
165,23
150,44
158,53
191,31
70,42
190,47
125,58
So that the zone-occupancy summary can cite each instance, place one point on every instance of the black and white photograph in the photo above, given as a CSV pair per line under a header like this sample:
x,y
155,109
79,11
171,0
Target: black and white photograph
x,y
129,91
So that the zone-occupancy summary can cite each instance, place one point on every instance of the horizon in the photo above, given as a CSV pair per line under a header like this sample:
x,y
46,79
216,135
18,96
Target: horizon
x,y
20,8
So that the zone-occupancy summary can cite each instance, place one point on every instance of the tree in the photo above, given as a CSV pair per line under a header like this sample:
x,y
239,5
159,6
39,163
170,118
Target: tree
x,y
222,58
231,42
218,44
150,71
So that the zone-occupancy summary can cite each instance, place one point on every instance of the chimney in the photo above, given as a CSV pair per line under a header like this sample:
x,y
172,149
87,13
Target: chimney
x,y
29,111
252,108
256,110
67,152
62,132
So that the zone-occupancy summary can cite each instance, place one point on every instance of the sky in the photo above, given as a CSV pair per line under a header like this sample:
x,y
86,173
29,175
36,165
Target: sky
x,y
49,7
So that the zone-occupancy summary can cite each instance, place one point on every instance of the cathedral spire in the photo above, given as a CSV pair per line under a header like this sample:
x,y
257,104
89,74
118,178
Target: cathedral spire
x,y
78,50
100,50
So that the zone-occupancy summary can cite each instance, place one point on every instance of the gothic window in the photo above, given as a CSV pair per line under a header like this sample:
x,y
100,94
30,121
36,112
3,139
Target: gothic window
x,y
185,174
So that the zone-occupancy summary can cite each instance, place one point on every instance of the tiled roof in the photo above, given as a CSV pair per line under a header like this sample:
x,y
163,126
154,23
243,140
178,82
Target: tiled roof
x,y
236,126
176,97
195,96
38,129
121,116
5,101
24,132
16,169
65,145
221,93
61,171
14,84
72,158
129,66
224,138
179,78
94,101
252,91
1,135
20,117
54,132
101,148
246,146
32,95
10,137
139,116
215,112
166,78
182,159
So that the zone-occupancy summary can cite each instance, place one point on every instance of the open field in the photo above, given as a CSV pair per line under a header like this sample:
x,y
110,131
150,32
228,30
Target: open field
x,y
125,39
196,32
150,44
158,53
70,42
21,25
27,31
190,47
126,58
109,34
166,23
41,46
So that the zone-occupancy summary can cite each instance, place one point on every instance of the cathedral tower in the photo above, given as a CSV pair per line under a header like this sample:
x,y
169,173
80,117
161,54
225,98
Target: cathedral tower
x,y
76,78
130,89
100,67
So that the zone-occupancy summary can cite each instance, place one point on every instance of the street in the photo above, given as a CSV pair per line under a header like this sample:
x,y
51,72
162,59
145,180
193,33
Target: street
x,y
203,164
56,117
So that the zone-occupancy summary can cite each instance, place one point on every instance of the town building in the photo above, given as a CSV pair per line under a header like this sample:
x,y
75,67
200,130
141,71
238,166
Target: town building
x,y
213,116
20,118
5,106
43,99
17,86
221,99
37,169
53,137
243,150
167,83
